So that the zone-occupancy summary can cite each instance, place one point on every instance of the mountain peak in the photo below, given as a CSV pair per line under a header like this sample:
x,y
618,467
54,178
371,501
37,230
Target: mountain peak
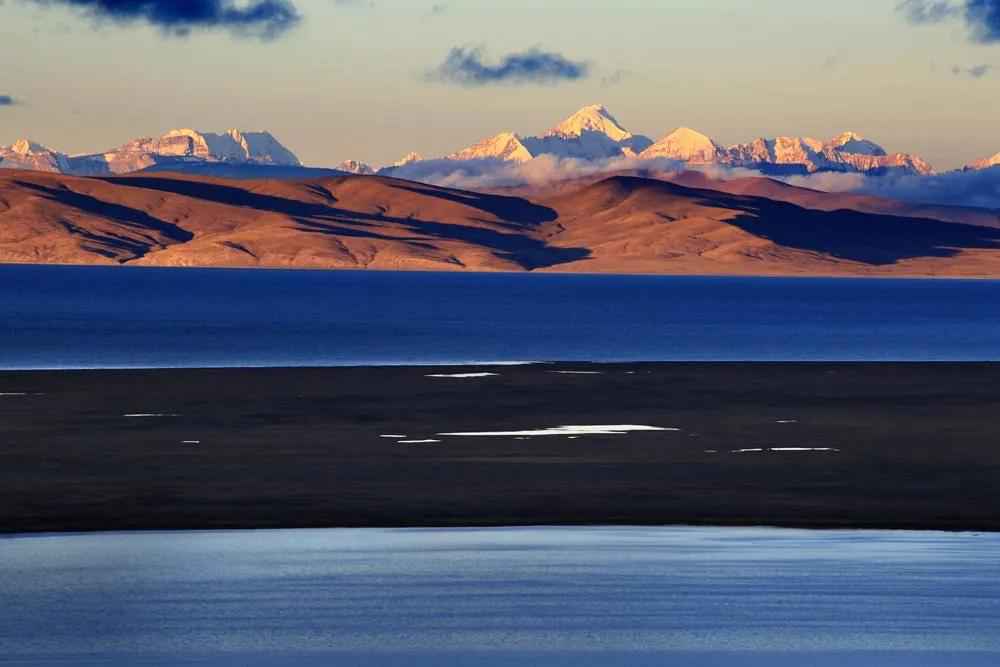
x,y
854,143
985,163
356,167
409,158
594,118
28,147
685,144
505,146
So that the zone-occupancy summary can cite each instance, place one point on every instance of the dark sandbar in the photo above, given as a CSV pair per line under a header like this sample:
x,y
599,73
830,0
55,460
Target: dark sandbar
x,y
911,446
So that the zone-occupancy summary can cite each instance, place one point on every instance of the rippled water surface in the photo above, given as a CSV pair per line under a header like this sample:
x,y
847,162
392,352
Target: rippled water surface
x,y
552,596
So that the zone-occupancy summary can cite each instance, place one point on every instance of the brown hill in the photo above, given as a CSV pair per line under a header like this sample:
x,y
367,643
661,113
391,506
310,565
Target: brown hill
x,y
759,186
653,226
620,224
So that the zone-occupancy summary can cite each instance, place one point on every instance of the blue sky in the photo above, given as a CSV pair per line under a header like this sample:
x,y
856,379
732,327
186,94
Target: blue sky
x,y
350,80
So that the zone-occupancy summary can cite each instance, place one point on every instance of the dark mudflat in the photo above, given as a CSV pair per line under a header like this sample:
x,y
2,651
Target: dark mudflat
x,y
919,447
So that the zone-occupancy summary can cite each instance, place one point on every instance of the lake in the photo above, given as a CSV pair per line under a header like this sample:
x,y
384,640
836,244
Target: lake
x,y
554,596
111,317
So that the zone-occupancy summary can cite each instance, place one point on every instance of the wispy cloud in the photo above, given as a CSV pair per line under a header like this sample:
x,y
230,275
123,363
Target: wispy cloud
x,y
465,66
261,18
976,71
982,16
7,101
928,11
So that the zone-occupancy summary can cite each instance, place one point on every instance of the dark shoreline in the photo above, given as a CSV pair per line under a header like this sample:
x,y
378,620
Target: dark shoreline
x,y
919,447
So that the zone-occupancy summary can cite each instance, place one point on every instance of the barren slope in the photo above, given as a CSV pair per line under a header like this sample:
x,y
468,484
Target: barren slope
x,y
619,224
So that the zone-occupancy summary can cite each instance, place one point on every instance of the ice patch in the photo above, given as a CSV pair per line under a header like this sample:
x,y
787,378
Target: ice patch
x,y
758,450
393,436
190,442
417,442
787,421
577,372
711,451
8,394
148,415
619,429
463,376
804,449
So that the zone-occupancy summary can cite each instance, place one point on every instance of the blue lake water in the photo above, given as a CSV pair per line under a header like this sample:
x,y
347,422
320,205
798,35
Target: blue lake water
x,y
553,596
85,317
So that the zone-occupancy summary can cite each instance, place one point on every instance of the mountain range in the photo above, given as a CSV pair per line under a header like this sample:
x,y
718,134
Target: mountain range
x,y
591,134
616,224
175,149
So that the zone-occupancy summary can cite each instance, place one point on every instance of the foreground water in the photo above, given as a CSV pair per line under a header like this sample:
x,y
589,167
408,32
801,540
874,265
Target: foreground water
x,y
567,596
92,317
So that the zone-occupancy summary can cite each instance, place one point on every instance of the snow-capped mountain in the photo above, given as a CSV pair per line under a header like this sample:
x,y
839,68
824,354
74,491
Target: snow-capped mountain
x,y
505,146
592,133
686,145
355,167
184,145
409,158
848,152
26,154
985,163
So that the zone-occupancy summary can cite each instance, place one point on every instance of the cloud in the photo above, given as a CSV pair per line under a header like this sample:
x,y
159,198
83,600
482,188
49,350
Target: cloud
x,y
976,71
543,170
956,188
7,101
928,11
982,16
465,67
977,188
437,9
262,18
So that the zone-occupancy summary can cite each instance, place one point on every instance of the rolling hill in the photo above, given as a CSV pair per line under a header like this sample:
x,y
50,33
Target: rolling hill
x,y
621,224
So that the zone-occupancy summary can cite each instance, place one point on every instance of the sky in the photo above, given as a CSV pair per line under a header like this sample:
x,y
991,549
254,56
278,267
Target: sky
x,y
374,79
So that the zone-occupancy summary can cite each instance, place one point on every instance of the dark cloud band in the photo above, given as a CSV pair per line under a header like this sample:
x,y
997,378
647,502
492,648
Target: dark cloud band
x,y
982,16
263,18
465,67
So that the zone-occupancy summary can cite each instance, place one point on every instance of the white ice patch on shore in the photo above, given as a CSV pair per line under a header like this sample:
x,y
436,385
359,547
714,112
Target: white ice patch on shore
x,y
149,415
463,376
191,442
417,442
804,449
393,436
618,429
787,421
577,372
760,450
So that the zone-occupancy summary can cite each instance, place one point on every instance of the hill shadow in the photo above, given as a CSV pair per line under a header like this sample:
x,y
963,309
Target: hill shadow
x,y
120,214
878,240
516,244
868,238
